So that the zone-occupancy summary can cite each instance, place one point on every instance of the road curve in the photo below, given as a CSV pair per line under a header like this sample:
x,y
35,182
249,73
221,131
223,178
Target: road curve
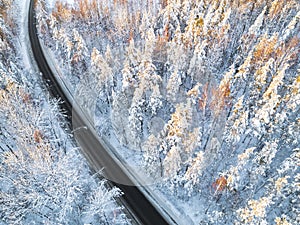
x,y
93,150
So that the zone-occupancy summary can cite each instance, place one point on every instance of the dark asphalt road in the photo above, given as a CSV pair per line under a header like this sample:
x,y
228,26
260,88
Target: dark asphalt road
x,y
93,150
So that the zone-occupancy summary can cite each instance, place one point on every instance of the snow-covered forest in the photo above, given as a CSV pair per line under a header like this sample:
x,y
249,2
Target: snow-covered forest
x,y
43,177
206,92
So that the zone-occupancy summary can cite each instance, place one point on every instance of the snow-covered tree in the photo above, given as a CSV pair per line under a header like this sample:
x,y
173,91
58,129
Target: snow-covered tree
x,y
151,154
119,115
102,72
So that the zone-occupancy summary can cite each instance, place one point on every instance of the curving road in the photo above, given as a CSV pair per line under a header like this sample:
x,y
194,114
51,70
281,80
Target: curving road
x,y
134,200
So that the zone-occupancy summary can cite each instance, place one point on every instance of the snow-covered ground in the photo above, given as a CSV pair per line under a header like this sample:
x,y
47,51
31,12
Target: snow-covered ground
x,y
201,96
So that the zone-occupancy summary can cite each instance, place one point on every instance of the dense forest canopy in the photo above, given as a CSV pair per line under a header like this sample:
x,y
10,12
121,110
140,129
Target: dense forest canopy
x,y
206,91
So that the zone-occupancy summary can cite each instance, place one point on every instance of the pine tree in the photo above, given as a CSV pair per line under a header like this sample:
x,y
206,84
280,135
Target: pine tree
x,y
103,73
119,115
151,156
172,163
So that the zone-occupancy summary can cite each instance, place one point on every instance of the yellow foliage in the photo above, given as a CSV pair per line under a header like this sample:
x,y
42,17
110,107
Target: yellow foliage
x,y
265,49
276,8
281,221
280,182
180,120
255,209
199,22
220,98
194,91
62,12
